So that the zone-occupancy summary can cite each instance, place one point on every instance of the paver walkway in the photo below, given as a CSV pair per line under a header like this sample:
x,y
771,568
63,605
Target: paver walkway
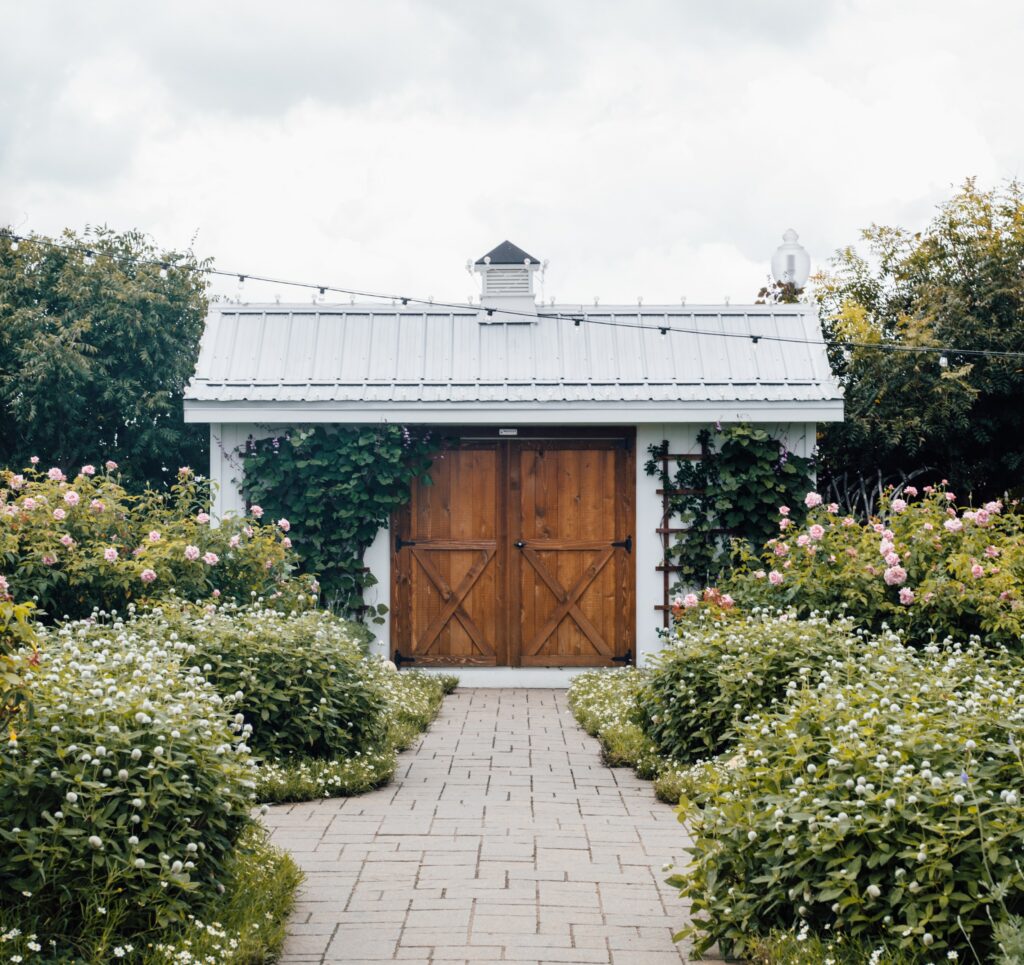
x,y
503,838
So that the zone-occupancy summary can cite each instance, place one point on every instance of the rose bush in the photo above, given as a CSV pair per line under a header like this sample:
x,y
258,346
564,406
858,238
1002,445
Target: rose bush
x,y
923,565
75,544
882,803
123,793
718,670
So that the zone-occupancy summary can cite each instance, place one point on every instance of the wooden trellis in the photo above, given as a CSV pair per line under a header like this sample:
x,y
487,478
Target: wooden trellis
x,y
666,530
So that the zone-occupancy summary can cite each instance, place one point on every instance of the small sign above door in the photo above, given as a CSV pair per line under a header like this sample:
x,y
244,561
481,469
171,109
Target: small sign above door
x,y
508,432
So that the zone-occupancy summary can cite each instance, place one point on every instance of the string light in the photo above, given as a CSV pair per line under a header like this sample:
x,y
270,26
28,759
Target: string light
x,y
90,258
575,318
163,269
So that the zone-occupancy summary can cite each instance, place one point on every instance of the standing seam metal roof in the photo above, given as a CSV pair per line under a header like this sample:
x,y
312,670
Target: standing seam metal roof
x,y
400,355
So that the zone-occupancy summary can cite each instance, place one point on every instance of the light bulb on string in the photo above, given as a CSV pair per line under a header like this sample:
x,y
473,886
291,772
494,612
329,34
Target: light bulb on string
x,y
163,269
14,244
90,258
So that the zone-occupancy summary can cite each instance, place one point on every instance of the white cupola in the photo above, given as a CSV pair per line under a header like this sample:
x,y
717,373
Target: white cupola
x,y
506,274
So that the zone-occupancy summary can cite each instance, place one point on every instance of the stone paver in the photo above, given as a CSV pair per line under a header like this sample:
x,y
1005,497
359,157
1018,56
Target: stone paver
x,y
503,838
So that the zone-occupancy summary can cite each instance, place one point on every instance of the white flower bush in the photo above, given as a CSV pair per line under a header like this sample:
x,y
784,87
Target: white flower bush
x,y
126,788
881,802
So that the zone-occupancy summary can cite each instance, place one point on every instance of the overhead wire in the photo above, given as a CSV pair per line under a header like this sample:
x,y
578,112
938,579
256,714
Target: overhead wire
x,y
577,318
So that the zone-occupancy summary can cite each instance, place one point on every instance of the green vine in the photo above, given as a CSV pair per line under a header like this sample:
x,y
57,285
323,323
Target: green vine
x,y
730,494
337,486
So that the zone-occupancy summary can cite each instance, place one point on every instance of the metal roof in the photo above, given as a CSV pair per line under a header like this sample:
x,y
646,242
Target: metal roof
x,y
406,361
506,254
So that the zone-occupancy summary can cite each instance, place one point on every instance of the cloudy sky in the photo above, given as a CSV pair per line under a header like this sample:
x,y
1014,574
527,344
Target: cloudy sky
x,y
650,147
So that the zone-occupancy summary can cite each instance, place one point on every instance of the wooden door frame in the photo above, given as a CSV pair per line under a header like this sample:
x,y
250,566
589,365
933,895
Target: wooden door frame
x,y
508,654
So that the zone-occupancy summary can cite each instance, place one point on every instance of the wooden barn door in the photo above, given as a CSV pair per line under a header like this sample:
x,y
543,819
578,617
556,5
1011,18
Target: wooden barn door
x,y
449,585
572,569
518,554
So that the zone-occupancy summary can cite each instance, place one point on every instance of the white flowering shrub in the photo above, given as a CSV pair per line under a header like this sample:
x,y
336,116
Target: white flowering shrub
x,y
124,792
300,679
719,668
882,803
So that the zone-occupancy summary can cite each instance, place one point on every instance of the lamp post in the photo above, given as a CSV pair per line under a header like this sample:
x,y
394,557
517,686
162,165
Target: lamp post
x,y
791,265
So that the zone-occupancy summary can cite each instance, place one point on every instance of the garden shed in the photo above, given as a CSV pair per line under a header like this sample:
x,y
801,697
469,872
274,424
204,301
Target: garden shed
x,y
539,547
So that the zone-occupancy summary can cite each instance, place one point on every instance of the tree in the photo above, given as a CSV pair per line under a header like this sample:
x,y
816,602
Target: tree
x,y
99,335
959,283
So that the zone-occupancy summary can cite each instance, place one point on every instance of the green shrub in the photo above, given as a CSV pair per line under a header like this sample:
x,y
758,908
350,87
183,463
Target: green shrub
x,y
604,701
77,545
882,804
921,567
412,700
124,792
721,668
1009,936
300,679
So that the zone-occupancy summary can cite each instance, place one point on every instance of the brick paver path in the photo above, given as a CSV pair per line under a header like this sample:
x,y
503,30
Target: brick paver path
x,y
503,838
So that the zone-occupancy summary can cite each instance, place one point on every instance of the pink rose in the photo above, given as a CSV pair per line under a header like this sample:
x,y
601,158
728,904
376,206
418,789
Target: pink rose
x,y
981,517
811,500
950,496
759,574
49,560
784,524
803,539
878,528
1005,595
72,498
690,601
783,510
991,552
67,540
211,559
88,470
111,465
148,576
726,602
775,577
849,521
216,593
256,512
993,507
833,508
977,571
781,549
286,543
34,460
906,596
899,505
953,525
29,504
59,514
191,552
154,536
110,554
248,530
234,541
284,525
184,470
895,575
850,551
928,526
55,474
97,506
816,532
17,481
892,559
202,518
885,547
910,490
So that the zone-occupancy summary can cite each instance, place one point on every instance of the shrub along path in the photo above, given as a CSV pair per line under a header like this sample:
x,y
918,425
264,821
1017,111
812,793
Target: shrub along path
x,y
503,838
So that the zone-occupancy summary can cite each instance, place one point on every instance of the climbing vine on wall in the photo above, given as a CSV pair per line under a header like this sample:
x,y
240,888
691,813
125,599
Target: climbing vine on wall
x,y
732,493
337,486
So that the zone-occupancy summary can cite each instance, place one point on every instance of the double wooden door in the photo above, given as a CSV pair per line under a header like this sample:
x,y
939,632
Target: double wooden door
x,y
519,553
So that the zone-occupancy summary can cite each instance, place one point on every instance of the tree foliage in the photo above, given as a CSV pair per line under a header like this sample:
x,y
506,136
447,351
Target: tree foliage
x,y
96,350
958,283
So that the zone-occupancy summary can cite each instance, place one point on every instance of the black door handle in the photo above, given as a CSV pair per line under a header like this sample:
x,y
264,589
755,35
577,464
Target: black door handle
x,y
626,544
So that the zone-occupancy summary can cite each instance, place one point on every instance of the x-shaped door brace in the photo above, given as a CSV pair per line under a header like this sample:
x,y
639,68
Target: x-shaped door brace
x,y
567,601
453,598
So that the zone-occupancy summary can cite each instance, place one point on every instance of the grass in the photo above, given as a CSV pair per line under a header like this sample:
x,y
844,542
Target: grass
x,y
244,926
414,700
801,948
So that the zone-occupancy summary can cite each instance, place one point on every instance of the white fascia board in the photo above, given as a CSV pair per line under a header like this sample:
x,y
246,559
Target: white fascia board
x,y
824,410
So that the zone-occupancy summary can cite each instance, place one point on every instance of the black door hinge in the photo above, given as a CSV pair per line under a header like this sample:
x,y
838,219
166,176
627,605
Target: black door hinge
x,y
400,659
626,544
399,543
626,658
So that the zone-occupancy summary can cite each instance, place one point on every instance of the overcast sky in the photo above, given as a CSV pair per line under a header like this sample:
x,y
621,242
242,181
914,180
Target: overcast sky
x,y
649,147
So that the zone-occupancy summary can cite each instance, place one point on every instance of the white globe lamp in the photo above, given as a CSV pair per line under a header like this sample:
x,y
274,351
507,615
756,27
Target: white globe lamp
x,y
791,265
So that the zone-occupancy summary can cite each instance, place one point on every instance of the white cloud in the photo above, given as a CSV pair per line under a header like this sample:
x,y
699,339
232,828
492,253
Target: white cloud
x,y
654,149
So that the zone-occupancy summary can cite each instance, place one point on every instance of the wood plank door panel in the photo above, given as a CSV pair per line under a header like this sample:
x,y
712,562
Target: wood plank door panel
x,y
448,568
571,585
518,554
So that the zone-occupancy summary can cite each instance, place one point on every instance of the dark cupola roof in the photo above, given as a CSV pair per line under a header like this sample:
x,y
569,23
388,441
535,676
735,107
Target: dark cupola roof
x,y
507,254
